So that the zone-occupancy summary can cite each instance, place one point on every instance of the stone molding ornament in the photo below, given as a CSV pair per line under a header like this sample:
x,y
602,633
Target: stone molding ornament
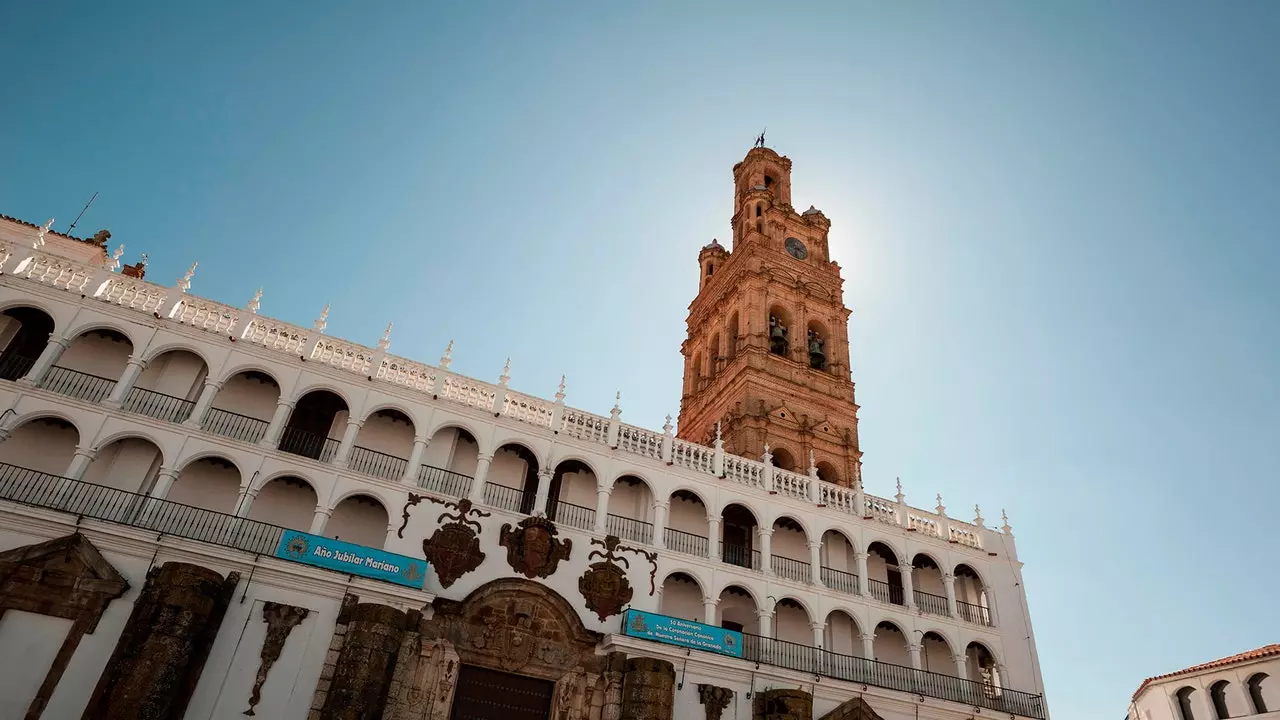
x,y
604,585
66,577
453,550
533,550
714,699
281,619
853,709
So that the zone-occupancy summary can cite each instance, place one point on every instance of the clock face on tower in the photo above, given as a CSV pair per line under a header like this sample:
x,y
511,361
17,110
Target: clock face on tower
x,y
796,248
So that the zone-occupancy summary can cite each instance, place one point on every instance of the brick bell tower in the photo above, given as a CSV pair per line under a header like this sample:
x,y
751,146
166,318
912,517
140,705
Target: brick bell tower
x,y
767,352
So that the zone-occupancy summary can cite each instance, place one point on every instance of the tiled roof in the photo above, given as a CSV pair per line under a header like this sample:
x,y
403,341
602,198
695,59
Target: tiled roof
x,y
51,232
1257,654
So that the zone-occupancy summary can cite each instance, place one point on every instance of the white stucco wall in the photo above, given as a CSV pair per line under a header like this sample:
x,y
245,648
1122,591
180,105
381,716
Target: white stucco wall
x,y
1158,700
178,373
95,354
128,464
207,484
285,505
41,446
28,644
247,396
358,520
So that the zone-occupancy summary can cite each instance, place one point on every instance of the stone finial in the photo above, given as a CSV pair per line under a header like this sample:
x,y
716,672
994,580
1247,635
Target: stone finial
x,y
447,357
322,322
384,342
977,516
616,412
41,233
560,391
184,282
255,302
113,263
666,427
1004,516
505,377
900,497
767,458
941,509
813,465
144,259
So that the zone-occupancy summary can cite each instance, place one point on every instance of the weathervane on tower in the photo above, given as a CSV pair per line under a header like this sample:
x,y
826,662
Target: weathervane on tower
x,y
760,140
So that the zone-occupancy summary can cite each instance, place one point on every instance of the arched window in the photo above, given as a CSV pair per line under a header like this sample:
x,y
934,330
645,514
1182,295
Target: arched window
x,y
779,331
758,210
1255,692
1184,703
1218,693
711,269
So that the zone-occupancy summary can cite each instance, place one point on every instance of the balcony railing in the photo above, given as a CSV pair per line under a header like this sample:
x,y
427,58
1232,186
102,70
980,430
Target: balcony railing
x,y
235,426
789,568
583,518
884,592
840,581
301,442
14,366
444,482
932,604
76,384
507,498
683,542
974,613
630,529
740,555
31,487
158,405
803,658
372,462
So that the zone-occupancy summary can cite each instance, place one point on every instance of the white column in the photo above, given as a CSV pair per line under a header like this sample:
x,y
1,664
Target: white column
x,y
864,584
949,584
962,671
914,650
271,438
766,549
164,482
868,646
765,618
477,483
203,403
391,535
709,611
132,369
79,463
52,351
348,440
544,490
713,537
319,520
659,524
819,632
815,563
244,501
415,461
908,586
602,508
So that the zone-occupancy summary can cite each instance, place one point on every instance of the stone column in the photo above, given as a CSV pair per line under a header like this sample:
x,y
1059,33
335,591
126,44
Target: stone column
x,y
648,689
132,369
319,520
244,501
962,669
544,489
390,536
342,457
415,461
765,619
914,650
868,646
819,633
709,611
80,463
766,549
364,667
949,584
164,482
908,586
602,508
659,524
476,493
864,584
713,537
782,704
815,562
159,656
271,437
203,403
52,351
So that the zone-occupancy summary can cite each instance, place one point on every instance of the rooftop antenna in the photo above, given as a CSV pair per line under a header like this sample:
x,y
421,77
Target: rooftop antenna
x,y
86,207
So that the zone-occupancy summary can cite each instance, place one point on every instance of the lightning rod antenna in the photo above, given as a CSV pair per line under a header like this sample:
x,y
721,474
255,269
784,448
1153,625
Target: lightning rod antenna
x,y
86,207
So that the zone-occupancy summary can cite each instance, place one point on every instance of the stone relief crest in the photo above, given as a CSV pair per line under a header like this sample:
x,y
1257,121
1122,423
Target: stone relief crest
x,y
604,586
533,549
509,635
280,619
714,699
454,549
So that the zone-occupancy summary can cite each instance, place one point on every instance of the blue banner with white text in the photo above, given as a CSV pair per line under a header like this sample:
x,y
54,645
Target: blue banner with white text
x,y
351,559
685,633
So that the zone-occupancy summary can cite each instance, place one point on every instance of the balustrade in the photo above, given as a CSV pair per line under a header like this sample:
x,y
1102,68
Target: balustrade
x,y
583,518
14,366
640,441
378,464
79,385
684,542
976,614
629,528
507,498
930,603
840,581
740,555
789,568
884,592
444,482
301,442
235,426
158,405
791,484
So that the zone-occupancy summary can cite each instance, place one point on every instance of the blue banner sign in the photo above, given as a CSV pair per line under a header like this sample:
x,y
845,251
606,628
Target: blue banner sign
x,y
351,559
686,633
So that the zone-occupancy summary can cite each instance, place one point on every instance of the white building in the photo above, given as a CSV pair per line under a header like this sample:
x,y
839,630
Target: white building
x,y
1243,685
147,430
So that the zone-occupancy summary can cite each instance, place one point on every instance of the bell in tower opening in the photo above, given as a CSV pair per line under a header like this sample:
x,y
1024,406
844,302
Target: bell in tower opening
x,y
745,366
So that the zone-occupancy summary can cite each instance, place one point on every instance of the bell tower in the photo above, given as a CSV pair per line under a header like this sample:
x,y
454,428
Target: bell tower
x,y
767,351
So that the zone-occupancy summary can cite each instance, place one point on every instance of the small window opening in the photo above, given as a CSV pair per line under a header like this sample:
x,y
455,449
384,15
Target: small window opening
x,y
711,269
758,210
768,182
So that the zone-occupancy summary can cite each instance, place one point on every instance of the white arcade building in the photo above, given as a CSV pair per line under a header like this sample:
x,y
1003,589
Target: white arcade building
x,y
208,513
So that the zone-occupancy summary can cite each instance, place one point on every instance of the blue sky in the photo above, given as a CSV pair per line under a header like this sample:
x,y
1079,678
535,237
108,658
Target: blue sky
x,y
1057,223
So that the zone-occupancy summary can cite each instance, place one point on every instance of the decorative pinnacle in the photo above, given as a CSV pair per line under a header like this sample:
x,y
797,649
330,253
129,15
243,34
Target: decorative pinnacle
x,y
323,321
447,357
1004,516
977,516
114,262
900,497
255,302
144,259
768,457
941,509
40,234
384,342
717,429
505,377
617,400
184,282
560,392
812,464
666,427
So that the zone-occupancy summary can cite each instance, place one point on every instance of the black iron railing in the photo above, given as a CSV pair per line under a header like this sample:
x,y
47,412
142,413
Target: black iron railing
x,y
372,462
630,529
840,581
158,405
930,603
76,384
790,568
306,444
14,366
740,555
32,487
884,592
445,482
577,516
507,498
235,426
974,613
683,542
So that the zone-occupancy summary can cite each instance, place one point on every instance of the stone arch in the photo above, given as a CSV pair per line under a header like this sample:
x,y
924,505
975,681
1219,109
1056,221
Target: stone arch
x,y
93,324
25,343
204,480
316,424
679,601
890,644
402,408
631,508
175,345
937,652
359,517
128,459
843,632
286,499
44,441
783,459
827,472
817,330
249,367
732,611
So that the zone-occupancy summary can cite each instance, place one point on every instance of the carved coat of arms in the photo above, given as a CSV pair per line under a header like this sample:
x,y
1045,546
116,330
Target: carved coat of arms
x,y
604,586
454,549
509,636
533,549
